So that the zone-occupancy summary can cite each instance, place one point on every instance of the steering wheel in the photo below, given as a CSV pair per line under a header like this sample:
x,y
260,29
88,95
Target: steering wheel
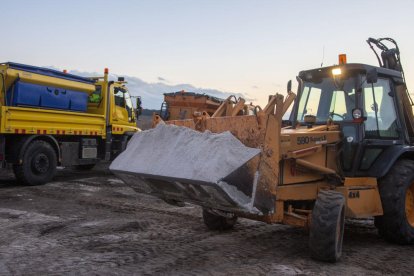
x,y
332,114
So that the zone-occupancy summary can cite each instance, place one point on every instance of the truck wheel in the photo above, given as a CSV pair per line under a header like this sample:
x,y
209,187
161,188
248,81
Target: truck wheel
x,y
39,164
218,223
327,226
397,198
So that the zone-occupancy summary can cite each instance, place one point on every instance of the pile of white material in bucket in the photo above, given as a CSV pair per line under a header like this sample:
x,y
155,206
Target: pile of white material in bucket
x,y
180,152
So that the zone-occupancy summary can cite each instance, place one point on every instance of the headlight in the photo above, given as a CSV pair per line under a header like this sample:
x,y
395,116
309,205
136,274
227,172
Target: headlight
x,y
357,113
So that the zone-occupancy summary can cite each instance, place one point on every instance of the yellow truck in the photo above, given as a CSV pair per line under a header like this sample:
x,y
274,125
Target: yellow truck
x,y
50,118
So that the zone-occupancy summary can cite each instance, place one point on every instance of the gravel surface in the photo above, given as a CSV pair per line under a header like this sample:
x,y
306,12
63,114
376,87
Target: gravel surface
x,y
90,223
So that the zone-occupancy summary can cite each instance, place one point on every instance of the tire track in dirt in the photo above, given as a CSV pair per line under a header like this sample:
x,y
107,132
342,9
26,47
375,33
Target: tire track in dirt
x,y
182,244
113,204
94,224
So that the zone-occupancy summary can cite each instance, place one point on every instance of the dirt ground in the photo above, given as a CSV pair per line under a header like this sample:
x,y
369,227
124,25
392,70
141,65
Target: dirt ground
x,y
90,223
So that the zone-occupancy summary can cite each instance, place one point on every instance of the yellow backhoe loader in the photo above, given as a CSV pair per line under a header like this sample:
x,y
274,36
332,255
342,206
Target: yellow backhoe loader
x,y
348,152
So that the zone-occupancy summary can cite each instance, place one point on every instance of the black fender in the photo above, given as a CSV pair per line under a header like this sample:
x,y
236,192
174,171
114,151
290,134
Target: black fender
x,y
27,140
388,158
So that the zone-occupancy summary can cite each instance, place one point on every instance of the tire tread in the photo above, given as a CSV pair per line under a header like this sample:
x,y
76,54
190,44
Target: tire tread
x,y
393,224
322,238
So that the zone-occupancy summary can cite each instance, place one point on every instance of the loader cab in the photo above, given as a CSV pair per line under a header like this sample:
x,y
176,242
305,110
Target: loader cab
x,y
362,100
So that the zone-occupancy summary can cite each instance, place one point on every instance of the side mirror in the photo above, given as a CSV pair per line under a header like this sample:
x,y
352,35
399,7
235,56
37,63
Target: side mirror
x,y
372,76
289,86
138,106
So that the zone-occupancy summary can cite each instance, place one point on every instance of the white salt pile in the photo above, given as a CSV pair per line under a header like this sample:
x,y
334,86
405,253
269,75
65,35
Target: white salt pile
x,y
180,152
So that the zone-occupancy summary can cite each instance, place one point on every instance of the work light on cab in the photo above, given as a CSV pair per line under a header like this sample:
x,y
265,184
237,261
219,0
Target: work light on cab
x,y
336,71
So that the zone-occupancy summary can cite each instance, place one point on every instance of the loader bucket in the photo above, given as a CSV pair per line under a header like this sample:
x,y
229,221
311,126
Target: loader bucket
x,y
177,163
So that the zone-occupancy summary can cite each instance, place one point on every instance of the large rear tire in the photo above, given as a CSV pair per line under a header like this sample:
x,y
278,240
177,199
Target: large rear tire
x,y
327,226
216,222
397,197
39,164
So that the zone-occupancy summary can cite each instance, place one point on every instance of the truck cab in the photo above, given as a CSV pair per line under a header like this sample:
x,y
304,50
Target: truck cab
x,y
122,114
366,102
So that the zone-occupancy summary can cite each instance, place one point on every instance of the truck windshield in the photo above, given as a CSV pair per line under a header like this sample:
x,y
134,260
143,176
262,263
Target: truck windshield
x,y
327,99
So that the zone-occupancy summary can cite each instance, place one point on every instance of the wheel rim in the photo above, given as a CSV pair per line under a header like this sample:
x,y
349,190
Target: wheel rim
x,y
40,163
409,204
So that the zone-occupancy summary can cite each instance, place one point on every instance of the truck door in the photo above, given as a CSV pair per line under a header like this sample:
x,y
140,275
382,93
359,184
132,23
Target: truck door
x,y
123,109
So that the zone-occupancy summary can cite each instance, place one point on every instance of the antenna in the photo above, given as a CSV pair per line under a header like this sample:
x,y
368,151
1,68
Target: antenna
x,y
323,54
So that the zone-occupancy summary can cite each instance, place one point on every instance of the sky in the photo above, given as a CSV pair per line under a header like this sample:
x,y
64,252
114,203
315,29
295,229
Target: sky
x,y
249,47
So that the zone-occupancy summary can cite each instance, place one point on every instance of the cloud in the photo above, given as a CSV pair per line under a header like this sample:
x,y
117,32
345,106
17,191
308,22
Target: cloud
x,y
250,98
152,94
255,87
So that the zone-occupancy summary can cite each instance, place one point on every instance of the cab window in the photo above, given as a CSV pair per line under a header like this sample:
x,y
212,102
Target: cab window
x,y
128,106
309,102
338,108
380,111
119,97
327,99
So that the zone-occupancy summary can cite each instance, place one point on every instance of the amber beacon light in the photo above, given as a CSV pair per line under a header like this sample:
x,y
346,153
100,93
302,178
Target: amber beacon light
x,y
342,59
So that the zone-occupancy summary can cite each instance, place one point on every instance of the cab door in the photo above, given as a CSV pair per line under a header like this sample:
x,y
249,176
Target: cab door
x,y
122,110
382,129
